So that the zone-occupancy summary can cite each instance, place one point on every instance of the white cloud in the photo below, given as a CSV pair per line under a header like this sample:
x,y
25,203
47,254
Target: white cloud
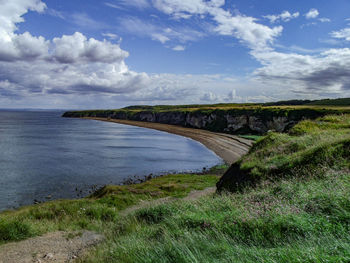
x,y
254,35
85,21
71,64
178,48
326,74
285,16
110,35
342,34
14,46
121,4
77,48
181,8
55,71
160,37
246,29
159,33
55,13
313,13
11,12
324,20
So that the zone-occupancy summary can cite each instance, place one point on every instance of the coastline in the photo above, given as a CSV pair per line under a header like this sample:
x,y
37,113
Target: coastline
x,y
228,147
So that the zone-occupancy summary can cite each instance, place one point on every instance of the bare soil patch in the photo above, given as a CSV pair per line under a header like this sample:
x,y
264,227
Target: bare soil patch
x,y
58,247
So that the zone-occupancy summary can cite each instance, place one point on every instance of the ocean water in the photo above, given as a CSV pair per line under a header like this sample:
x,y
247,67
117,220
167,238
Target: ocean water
x,y
43,155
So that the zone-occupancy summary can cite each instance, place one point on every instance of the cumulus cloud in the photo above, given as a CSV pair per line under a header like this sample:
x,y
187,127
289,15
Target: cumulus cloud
x,y
285,16
313,13
25,46
77,48
71,64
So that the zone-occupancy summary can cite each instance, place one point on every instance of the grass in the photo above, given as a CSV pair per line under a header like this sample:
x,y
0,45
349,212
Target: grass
x,y
251,137
100,211
292,221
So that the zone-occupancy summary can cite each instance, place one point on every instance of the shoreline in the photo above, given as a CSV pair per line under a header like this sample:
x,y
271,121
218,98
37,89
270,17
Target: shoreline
x,y
228,147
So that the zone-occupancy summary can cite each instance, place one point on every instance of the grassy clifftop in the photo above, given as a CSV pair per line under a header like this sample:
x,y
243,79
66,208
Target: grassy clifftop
x,y
308,148
328,106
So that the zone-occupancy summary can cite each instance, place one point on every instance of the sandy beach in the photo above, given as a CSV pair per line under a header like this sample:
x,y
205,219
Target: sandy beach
x,y
228,147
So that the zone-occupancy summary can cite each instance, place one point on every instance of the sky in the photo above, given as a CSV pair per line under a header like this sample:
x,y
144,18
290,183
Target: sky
x,y
85,54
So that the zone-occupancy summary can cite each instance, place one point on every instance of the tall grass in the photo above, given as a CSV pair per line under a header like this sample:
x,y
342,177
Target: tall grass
x,y
288,221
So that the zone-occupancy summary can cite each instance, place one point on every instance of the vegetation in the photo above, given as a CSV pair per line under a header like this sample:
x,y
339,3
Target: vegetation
x,y
328,106
100,211
309,147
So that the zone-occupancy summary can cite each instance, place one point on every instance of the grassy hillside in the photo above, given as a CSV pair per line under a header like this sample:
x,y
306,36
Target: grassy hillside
x,y
309,147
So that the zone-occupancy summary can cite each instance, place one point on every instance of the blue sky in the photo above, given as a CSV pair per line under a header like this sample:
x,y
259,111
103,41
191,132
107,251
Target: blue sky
x,y
113,53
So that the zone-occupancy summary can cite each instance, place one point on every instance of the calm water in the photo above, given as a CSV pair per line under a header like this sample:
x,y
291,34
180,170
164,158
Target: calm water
x,y
42,154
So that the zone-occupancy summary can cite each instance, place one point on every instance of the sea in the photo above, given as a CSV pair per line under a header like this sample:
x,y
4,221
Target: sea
x,y
46,157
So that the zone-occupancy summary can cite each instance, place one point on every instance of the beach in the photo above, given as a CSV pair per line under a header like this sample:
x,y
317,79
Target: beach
x,y
228,147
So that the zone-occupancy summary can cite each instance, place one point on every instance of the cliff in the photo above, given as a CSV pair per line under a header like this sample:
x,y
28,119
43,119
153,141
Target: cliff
x,y
250,120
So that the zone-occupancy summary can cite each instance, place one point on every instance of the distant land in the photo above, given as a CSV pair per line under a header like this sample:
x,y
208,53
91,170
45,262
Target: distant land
x,y
232,118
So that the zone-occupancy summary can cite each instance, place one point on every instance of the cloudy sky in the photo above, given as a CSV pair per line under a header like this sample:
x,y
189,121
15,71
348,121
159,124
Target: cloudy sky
x,y
112,53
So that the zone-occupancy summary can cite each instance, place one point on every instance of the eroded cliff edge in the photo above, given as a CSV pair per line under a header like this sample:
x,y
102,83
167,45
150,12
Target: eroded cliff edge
x,y
233,121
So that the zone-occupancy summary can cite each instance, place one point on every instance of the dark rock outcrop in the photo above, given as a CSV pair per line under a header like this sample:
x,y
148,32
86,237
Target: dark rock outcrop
x,y
234,179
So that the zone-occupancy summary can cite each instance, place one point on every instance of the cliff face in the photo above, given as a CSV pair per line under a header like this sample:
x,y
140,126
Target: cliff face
x,y
236,121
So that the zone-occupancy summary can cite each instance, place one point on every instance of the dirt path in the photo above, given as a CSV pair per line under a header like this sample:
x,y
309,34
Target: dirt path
x,y
229,147
59,247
